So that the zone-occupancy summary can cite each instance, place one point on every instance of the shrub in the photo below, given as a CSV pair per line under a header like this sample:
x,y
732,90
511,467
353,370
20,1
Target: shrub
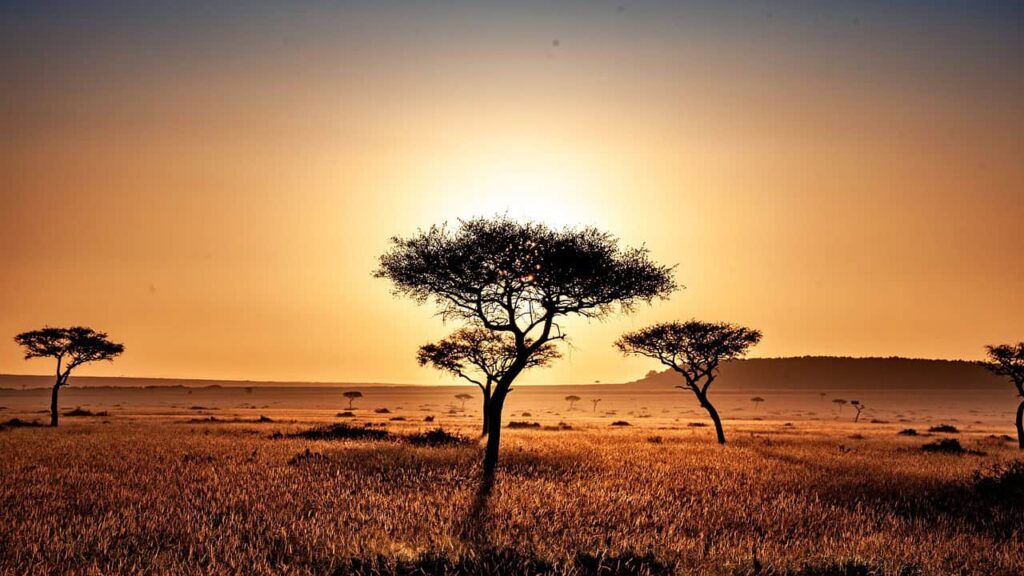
x,y
437,437
523,424
620,423
19,423
342,432
697,425
944,446
382,411
945,428
907,432
428,419
345,414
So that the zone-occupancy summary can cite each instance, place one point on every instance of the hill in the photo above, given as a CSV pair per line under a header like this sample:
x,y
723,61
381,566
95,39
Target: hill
x,y
836,373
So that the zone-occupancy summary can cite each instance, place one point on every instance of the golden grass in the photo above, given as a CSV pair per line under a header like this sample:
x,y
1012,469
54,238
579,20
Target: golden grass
x,y
132,497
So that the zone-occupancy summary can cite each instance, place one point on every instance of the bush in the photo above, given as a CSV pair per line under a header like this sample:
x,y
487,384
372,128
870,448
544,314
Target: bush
x,y
944,446
944,428
19,423
523,424
1001,483
620,423
428,419
345,414
907,432
342,432
437,437
697,425
382,411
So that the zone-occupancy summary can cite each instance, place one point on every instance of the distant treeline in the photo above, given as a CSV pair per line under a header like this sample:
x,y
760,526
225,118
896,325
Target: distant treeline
x,y
826,373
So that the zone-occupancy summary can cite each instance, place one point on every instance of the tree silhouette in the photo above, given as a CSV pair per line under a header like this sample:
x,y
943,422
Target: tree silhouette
x,y
840,403
757,401
859,407
482,357
521,279
462,398
71,347
1008,360
572,399
595,402
352,395
694,349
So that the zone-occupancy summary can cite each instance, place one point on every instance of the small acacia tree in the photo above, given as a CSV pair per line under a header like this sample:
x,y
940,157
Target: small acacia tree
x,y
482,357
352,395
595,402
840,403
572,399
859,407
462,399
71,347
757,401
1008,360
693,349
521,279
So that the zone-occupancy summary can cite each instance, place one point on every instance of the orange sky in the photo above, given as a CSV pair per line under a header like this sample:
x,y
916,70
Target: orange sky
x,y
213,186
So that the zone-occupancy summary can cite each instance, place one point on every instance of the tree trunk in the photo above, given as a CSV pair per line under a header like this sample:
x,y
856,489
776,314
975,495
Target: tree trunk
x,y
487,415
54,415
493,436
714,418
1020,425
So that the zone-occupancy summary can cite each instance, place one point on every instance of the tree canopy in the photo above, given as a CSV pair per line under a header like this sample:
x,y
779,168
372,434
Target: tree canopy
x,y
72,347
469,351
516,277
1007,360
693,348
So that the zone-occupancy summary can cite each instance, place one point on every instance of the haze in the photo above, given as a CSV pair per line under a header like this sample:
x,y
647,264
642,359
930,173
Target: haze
x,y
212,184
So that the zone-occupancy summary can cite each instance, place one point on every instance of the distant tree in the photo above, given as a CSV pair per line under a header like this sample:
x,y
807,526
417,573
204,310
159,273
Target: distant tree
x,y
462,398
595,402
859,407
352,395
572,399
840,403
480,356
757,401
71,347
521,279
1008,360
695,350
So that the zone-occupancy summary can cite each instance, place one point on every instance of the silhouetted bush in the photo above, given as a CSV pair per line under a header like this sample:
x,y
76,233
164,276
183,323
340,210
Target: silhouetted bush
x,y
523,424
428,419
264,419
945,428
945,446
697,425
84,412
655,439
19,423
342,432
397,419
345,414
1002,483
382,411
437,437
620,423
907,432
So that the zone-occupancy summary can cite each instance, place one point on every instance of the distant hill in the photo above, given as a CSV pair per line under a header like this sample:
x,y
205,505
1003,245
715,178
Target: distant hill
x,y
835,373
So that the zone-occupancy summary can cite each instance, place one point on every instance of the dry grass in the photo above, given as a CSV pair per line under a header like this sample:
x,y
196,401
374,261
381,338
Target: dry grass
x,y
132,497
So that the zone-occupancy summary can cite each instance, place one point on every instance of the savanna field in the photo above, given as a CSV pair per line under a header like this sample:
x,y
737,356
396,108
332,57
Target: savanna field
x,y
226,493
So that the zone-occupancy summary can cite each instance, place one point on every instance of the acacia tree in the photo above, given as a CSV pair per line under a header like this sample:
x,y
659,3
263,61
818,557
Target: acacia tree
x,y
840,403
595,402
521,279
859,407
694,349
352,395
70,347
462,399
482,357
1008,360
757,401
572,399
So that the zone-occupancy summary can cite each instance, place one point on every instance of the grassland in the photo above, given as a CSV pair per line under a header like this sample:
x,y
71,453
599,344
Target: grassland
x,y
127,495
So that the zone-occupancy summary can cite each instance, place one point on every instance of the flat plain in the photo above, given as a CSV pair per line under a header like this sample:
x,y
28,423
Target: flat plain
x,y
215,481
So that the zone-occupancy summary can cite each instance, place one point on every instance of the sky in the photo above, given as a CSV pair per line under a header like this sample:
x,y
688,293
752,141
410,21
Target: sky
x,y
212,183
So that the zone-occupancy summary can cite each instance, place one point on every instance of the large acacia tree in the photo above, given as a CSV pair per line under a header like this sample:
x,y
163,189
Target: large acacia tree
x,y
1008,360
482,357
694,350
70,347
521,279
